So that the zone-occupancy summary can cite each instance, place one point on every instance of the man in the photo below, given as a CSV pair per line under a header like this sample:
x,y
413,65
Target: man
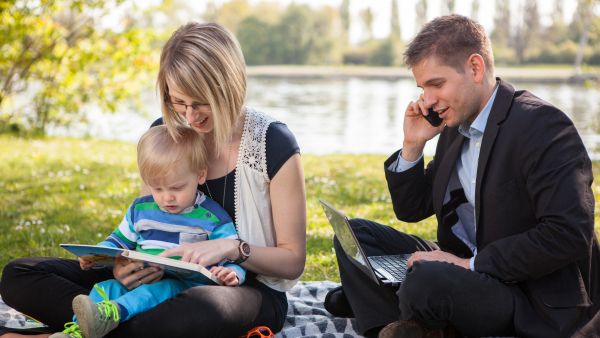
x,y
510,185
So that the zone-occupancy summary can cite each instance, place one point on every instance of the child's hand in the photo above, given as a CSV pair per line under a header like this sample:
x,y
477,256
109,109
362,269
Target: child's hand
x,y
85,264
225,275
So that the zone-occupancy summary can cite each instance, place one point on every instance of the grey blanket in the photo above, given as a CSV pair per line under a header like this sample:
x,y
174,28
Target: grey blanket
x,y
306,315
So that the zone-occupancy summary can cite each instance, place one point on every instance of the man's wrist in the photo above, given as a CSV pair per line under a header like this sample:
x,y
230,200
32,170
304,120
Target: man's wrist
x,y
471,264
411,152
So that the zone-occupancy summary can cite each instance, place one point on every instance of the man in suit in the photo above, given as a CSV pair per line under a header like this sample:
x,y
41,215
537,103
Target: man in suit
x,y
510,185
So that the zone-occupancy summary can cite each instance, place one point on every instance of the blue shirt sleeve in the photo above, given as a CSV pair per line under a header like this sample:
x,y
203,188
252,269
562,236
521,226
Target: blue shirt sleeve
x,y
400,164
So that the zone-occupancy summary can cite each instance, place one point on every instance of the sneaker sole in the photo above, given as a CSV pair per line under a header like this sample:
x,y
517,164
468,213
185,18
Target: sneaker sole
x,y
83,308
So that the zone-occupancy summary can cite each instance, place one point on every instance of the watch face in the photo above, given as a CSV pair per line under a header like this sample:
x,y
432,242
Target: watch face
x,y
245,249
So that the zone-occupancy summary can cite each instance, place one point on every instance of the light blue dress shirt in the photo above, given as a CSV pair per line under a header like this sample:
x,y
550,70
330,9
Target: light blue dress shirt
x,y
464,176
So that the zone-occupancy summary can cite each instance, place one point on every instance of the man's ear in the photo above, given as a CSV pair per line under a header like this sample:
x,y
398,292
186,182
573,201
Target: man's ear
x,y
476,67
202,176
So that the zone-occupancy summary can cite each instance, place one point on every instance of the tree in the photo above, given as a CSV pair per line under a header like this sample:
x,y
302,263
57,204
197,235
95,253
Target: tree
x,y
395,33
383,53
475,10
345,18
502,24
585,14
448,7
53,54
295,36
395,30
326,48
231,13
557,31
558,12
421,11
255,37
557,47
528,31
211,13
366,15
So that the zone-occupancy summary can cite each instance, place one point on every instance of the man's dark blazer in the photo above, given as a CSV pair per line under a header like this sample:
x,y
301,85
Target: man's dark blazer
x,y
534,210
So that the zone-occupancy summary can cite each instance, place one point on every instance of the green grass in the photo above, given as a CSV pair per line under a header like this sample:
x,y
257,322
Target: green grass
x,y
59,190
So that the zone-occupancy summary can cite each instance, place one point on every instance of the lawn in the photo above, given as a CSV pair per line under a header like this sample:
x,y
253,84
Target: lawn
x,y
59,190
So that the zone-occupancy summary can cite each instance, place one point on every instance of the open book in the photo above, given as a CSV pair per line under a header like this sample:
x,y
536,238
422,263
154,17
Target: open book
x,y
172,267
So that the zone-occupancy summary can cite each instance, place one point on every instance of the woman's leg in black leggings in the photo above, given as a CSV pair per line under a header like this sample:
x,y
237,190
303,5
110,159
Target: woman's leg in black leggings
x,y
209,311
44,288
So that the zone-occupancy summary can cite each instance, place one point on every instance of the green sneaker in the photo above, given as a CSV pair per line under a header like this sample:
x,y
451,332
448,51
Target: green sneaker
x,y
71,331
96,319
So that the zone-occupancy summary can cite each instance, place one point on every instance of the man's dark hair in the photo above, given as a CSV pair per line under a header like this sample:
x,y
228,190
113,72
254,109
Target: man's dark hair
x,y
452,39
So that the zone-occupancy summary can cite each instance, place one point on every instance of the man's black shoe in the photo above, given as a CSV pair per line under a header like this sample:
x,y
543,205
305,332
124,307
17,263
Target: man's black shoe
x,y
337,304
411,329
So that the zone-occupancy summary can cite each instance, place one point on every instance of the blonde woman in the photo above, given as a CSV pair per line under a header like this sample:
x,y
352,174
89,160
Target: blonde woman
x,y
254,172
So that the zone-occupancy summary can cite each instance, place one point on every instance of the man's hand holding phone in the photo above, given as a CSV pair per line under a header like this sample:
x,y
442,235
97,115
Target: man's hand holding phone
x,y
421,124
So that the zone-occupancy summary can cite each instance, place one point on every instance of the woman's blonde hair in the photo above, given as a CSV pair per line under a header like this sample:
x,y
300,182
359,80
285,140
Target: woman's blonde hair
x,y
158,153
204,61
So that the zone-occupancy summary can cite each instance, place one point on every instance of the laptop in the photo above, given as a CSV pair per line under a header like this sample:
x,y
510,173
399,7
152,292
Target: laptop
x,y
384,270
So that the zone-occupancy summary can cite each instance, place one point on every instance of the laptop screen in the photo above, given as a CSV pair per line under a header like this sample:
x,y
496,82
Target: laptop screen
x,y
346,237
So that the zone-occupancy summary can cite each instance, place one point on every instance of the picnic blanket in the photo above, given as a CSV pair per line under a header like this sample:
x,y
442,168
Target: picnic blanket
x,y
306,316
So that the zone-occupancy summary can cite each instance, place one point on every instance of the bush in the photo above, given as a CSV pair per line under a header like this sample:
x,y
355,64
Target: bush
x,y
356,57
562,53
383,53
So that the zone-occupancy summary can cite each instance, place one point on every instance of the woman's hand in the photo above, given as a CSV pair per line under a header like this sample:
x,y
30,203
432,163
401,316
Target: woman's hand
x,y
133,274
225,275
205,253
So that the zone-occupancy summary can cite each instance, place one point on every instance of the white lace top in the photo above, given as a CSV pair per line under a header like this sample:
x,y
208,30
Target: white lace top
x,y
253,215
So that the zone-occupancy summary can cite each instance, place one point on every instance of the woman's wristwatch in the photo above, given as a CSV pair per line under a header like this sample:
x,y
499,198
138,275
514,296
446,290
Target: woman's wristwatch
x,y
244,249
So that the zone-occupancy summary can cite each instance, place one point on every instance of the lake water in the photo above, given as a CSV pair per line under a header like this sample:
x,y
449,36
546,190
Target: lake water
x,y
354,115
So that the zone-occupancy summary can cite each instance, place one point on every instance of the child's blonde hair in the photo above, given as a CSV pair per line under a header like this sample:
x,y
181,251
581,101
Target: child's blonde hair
x,y
158,153
204,61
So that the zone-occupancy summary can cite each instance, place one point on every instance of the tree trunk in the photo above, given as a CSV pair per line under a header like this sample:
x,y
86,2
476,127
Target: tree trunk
x,y
583,39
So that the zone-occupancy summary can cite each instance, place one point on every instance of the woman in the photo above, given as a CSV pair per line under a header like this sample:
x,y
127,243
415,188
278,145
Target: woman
x,y
254,171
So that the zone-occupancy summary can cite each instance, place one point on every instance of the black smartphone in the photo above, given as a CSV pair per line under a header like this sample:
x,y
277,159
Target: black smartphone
x,y
433,117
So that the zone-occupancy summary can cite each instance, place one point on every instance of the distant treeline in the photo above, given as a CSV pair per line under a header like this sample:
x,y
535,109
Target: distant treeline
x,y
299,34
61,57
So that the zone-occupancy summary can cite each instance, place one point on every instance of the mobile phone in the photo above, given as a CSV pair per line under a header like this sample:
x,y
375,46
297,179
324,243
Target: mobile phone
x,y
433,117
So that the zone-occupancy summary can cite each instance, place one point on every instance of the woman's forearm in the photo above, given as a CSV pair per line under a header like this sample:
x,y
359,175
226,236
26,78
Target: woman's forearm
x,y
279,262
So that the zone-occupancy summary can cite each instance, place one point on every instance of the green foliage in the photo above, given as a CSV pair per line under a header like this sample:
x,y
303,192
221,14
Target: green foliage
x,y
384,54
563,52
301,35
55,62
295,40
526,41
59,190
254,36
356,56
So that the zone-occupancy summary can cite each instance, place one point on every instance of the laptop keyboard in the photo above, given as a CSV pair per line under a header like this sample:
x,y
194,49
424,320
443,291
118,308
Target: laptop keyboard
x,y
395,265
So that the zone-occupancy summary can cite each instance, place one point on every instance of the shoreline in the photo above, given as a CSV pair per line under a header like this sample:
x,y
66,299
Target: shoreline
x,y
555,75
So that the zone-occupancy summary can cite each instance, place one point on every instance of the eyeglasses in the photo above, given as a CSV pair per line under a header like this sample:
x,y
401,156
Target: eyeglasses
x,y
181,108
259,332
